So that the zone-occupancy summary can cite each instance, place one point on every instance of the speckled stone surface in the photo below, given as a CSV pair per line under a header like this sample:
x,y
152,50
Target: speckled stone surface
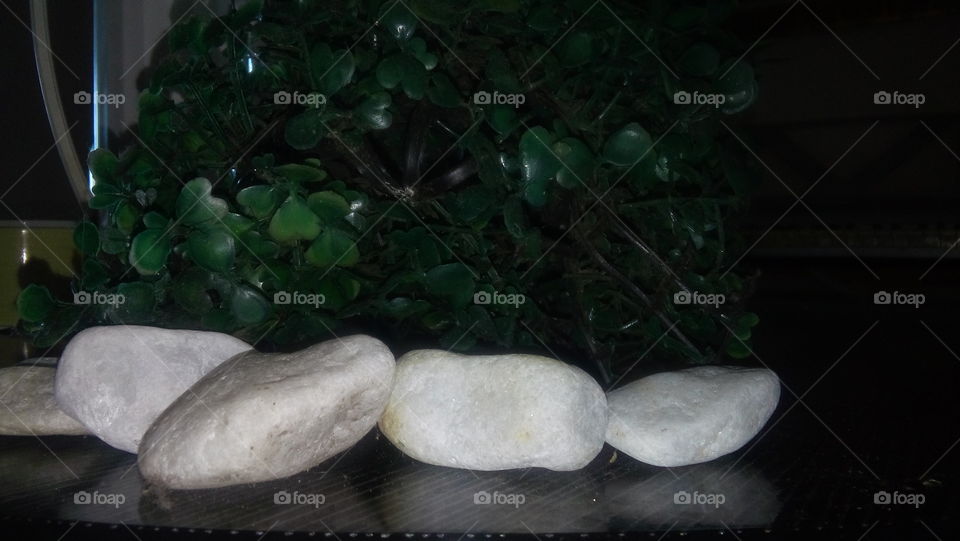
x,y
691,416
117,379
494,412
28,405
260,417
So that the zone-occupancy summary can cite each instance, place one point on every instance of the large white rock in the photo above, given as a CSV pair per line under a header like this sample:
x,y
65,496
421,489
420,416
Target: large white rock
x,y
263,416
691,416
27,405
494,412
116,380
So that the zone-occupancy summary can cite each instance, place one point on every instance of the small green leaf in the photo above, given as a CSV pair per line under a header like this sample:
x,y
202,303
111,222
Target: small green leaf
x,y
398,20
254,243
103,165
237,224
213,250
576,49
190,291
737,349
86,237
513,216
576,163
332,70
305,130
453,282
389,73
537,164
628,145
149,251
34,303
373,112
93,275
413,76
248,307
127,216
139,301
294,221
328,206
258,201
333,247
301,173
196,205
155,220
739,87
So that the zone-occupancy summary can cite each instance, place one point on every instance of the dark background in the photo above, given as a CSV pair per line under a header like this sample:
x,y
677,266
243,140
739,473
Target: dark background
x,y
870,392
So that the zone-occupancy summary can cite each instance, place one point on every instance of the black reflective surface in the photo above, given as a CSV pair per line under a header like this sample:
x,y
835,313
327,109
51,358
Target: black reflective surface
x,y
876,413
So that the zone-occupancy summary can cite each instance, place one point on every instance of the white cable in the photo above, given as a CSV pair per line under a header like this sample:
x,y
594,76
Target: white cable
x,y
51,99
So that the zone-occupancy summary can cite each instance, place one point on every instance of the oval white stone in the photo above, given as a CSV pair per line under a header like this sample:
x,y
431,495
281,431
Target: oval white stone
x,y
260,416
30,408
494,412
117,379
691,416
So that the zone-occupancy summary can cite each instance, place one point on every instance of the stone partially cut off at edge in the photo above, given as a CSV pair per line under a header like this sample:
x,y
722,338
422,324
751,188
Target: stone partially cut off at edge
x,y
494,412
28,405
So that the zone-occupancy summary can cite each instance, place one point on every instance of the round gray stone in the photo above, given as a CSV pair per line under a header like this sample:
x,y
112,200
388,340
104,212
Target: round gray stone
x,y
494,412
117,379
691,416
259,417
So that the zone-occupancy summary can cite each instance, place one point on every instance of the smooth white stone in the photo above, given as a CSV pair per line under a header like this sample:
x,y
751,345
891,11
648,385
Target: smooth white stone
x,y
691,416
262,416
116,380
27,405
494,412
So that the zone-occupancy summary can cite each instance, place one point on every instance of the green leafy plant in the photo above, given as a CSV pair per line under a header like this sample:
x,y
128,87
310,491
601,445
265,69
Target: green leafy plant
x,y
397,159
